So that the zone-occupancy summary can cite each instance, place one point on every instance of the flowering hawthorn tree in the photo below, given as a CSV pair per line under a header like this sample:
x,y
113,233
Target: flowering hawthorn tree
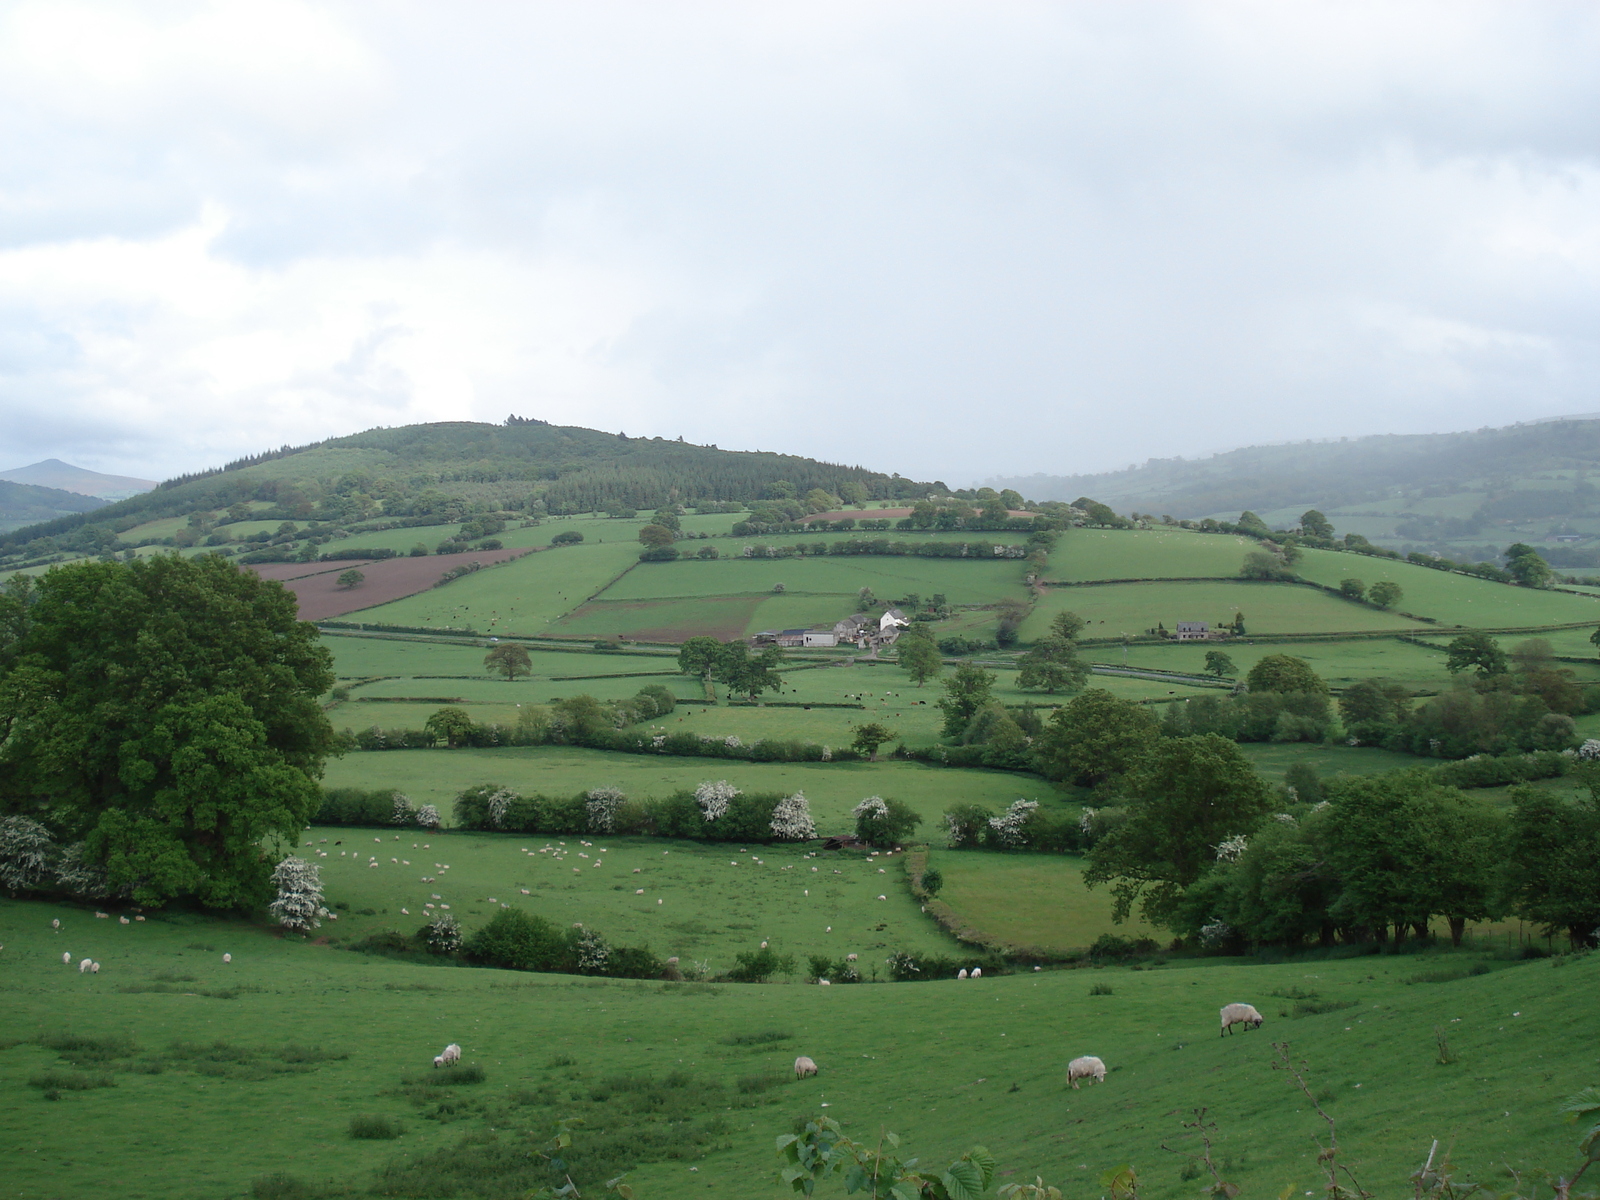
x,y
602,808
1009,827
428,817
714,798
402,810
25,853
791,819
299,902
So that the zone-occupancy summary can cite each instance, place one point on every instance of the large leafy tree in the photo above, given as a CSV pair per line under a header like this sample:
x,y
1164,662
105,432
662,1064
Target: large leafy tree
x,y
164,712
965,693
1052,666
918,655
1477,652
508,659
1553,859
748,674
1095,737
1186,797
1284,673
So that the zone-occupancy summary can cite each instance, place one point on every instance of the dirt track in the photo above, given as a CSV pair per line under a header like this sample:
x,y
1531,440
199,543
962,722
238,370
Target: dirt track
x,y
316,585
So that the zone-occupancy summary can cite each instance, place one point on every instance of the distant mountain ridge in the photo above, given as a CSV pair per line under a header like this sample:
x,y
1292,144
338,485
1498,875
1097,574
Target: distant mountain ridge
x,y
25,504
54,474
1333,474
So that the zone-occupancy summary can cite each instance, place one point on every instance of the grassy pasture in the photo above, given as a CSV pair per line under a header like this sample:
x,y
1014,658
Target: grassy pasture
x,y
945,1064
1034,900
358,656
701,902
437,776
1269,608
963,581
721,617
524,597
1339,663
1455,599
1271,760
1082,554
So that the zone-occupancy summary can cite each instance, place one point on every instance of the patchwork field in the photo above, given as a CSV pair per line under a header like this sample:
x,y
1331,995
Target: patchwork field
x,y
962,581
522,598
239,1071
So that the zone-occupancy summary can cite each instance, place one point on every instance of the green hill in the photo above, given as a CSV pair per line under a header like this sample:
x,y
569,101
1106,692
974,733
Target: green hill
x,y
23,504
434,474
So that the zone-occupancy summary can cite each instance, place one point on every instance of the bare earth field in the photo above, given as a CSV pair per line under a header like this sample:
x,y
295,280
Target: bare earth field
x,y
316,585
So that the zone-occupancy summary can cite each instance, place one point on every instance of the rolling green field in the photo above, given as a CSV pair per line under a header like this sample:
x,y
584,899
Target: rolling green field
x,y
229,1072
1339,663
1269,608
1082,554
1454,599
963,581
1058,914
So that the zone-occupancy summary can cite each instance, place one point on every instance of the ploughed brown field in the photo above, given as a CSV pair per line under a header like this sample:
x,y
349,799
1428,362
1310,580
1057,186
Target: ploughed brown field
x,y
316,585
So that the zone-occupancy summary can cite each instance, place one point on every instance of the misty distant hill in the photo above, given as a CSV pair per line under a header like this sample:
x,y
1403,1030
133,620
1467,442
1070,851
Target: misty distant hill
x,y
23,504
1327,474
53,473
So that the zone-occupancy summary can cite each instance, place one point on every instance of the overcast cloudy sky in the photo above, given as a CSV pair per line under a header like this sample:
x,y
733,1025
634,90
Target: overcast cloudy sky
x,y
945,239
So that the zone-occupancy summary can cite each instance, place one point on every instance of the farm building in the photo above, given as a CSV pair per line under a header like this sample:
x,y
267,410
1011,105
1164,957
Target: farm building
x,y
1193,631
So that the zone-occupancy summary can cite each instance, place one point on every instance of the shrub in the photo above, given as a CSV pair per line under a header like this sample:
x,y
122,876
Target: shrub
x,y
758,966
567,537
600,807
965,824
791,819
932,881
518,941
299,901
25,853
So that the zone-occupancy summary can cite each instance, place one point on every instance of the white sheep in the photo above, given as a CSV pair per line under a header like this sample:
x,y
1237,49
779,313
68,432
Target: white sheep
x,y
66,956
227,958
124,920
803,1066
850,958
961,974
977,972
824,983
83,967
438,1060
1086,1067
94,968
1239,1014
56,924
450,1057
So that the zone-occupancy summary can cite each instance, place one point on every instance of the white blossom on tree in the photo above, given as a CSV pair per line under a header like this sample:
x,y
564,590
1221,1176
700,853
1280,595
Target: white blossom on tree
x,y
80,877
1008,827
602,806
402,810
593,953
1216,934
26,850
872,806
732,741
1230,850
299,901
1589,751
443,934
428,817
714,798
791,819
497,804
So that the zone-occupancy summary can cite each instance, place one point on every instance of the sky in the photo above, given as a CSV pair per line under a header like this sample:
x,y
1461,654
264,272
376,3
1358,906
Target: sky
x,y
953,240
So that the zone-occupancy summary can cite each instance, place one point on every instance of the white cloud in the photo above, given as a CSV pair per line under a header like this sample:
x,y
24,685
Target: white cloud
x,y
1043,236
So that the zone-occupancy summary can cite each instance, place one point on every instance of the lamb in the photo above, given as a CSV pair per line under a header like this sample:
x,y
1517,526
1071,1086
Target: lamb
x,y
83,967
961,974
803,1066
227,958
1086,1067
977,972
450,1057
66,956
94,968
1239,1014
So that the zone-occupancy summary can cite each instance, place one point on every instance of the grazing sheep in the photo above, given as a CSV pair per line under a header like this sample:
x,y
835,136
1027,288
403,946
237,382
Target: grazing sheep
x,y
124,920
803,1066
83,967
227,958
1086,1067
94,968
1239,1014
450,1057
56,924
66,956
102,916
438,1060
961,974
850,958
977,972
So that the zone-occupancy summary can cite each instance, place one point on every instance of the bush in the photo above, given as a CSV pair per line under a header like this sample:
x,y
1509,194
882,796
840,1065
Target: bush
x,y
1111,947
932,881
567,537
519,941
758,966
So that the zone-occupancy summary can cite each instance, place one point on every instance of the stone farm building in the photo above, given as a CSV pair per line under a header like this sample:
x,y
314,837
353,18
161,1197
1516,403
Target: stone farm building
x,y
1193,631
863,629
